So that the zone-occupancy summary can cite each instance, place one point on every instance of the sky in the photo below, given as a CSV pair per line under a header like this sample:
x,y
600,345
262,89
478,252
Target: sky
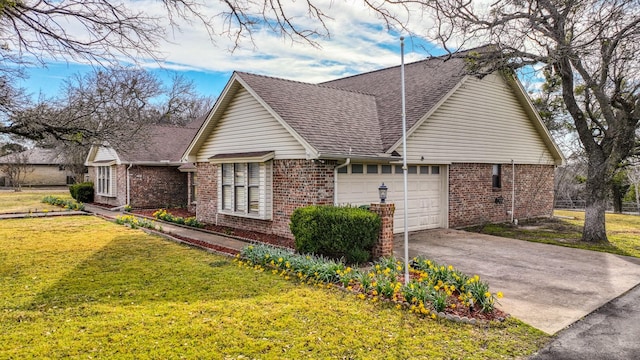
x,y
358,42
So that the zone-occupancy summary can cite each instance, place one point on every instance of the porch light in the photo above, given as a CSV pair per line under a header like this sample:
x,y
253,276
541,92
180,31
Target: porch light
x,y
382,192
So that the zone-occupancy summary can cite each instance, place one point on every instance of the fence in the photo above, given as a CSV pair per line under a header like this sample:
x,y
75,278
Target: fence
x,y
627,207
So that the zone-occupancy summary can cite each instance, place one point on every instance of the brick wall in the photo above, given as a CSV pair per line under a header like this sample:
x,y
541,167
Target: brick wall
x,y
296,183
157,187
472,199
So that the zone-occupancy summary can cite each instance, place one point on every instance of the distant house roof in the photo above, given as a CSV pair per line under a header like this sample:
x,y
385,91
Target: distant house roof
x,y
36,156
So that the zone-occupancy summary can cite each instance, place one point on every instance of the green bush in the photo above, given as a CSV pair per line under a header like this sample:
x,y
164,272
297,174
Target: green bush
x,y
336,232
82,192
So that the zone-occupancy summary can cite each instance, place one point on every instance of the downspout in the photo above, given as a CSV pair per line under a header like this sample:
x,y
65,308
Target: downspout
x,y
513,189
335,180
129,185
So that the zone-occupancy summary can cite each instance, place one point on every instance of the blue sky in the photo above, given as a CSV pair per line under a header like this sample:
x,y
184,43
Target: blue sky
x,y
358,43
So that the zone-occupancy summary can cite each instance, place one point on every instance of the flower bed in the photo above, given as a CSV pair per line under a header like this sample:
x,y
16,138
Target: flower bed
x,y
225,230
432,290
65,203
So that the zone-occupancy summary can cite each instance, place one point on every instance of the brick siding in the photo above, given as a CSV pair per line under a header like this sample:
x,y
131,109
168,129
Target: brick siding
x,y
151,187
158,187
472,199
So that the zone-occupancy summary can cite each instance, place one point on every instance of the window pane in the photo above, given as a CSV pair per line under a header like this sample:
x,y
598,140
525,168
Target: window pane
x,y
254,199
254,174
240,174
435,170
372,169
413,169
342,170
241,201
424,170
227,174
226,197
357,169
386,169
398,169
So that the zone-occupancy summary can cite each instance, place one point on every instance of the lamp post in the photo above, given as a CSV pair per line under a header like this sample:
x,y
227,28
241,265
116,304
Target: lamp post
x,y
382,192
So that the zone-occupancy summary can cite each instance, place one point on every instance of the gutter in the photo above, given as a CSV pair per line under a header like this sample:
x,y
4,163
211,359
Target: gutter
x,y
335,180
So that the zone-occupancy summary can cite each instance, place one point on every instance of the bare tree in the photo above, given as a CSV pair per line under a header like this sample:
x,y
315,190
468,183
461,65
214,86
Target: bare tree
x,y
16,169
590,45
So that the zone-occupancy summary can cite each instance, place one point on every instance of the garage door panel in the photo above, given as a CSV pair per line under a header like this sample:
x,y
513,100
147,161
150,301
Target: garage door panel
x,y
424,196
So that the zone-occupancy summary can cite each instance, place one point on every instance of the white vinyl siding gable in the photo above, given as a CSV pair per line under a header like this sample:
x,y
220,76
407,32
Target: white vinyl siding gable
x,y
482,121
246,126
105,154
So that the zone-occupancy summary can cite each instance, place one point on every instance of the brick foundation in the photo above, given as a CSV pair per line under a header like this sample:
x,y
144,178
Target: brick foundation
x,y
472,199
384,246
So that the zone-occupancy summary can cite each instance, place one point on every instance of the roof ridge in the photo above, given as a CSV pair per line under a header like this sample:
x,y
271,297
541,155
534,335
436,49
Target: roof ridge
x,y
320,85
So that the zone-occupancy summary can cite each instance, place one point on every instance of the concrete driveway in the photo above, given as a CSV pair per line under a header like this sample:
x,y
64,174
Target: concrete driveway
x,y
549,287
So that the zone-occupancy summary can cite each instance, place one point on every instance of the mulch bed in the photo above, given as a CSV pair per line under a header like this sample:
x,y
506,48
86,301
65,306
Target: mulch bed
x,y
225,230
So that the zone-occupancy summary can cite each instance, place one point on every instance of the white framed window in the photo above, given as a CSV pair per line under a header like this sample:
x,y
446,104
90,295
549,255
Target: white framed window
x,y
105,184
245,189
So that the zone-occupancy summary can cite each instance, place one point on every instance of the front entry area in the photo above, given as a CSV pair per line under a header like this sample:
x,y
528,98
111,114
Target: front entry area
x,y
427,188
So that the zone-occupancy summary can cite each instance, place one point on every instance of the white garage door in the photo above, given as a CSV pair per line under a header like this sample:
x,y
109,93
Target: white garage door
x,y
358,184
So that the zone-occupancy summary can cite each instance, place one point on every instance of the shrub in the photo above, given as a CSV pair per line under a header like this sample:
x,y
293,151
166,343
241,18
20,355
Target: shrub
x,y
162,214
336,232
82,192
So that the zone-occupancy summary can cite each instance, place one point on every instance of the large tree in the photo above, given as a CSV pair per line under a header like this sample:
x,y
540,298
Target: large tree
x,y
590,45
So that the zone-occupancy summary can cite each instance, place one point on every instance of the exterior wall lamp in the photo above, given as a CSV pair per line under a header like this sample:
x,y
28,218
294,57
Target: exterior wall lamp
x,y
382,192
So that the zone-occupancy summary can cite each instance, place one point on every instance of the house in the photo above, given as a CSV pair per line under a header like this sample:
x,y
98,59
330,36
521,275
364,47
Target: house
x,y
41,167
150,175
477,151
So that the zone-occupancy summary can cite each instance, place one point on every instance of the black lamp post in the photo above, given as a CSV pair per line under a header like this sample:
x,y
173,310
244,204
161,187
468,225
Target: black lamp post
x,y
382,192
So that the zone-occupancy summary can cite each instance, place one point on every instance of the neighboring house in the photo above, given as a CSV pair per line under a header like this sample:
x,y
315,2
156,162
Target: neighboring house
x,y
271,145
148,175
44,167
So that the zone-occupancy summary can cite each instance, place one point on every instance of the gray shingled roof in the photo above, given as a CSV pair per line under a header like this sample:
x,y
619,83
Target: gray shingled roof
x,y
36,156
162,143
426,83
359,114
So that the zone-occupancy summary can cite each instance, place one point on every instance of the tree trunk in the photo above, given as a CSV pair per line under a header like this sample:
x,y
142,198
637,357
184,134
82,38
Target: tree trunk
x,y
596,202
618,193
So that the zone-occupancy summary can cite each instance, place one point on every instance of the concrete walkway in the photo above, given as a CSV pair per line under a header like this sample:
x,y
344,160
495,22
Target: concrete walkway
x,y
42,214
206,237
546,286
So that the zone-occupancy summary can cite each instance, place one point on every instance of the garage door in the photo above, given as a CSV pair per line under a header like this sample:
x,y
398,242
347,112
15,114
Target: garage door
x,y
358,184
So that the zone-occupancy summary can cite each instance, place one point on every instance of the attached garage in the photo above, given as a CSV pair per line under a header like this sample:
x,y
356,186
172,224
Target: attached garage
x,y
357,184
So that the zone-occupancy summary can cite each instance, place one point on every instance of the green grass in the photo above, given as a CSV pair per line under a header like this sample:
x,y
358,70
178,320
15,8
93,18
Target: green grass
x,y
84,287
623,232
29,200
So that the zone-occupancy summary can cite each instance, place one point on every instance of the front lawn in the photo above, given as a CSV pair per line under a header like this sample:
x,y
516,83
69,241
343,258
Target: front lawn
x,y
81,286
29,200
565,229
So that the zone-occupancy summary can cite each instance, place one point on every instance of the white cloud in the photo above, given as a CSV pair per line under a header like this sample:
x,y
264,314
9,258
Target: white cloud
x,y
358,42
